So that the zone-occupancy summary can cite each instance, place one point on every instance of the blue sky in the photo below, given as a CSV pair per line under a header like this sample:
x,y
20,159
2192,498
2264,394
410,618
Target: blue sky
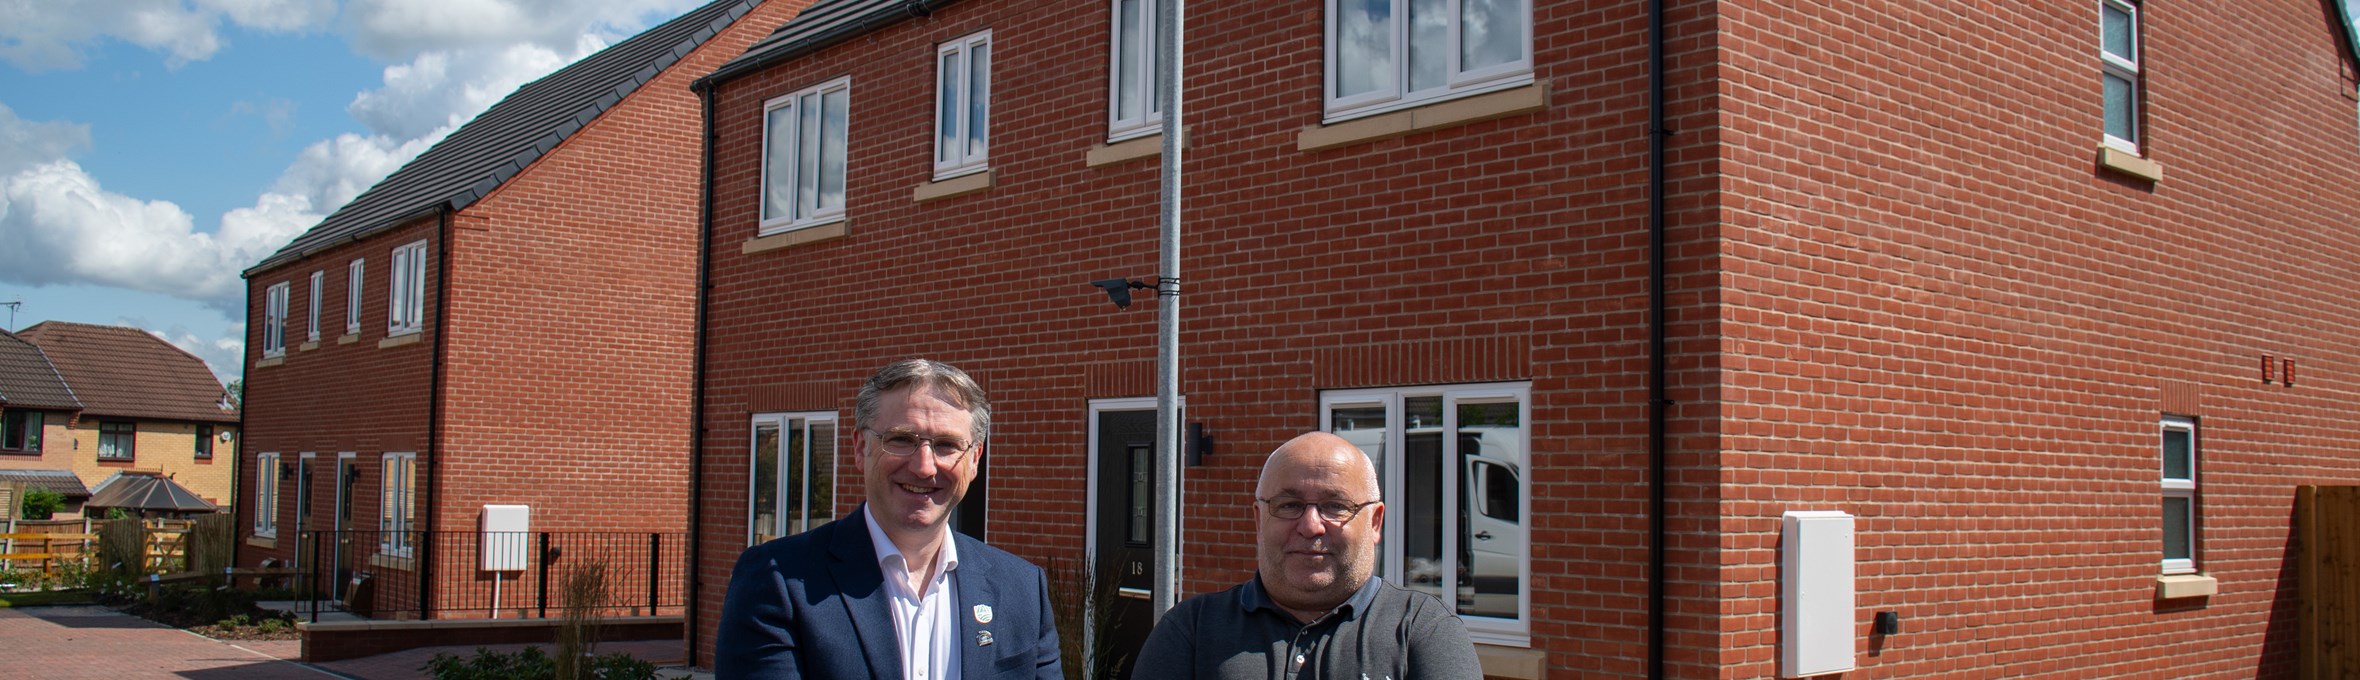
x,y
150,150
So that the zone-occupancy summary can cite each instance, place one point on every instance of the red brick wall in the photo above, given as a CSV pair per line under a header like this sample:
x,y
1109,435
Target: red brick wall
x,y
1941,316
1434,257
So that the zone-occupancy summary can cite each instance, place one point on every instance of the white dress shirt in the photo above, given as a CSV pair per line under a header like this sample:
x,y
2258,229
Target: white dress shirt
x,y
926,622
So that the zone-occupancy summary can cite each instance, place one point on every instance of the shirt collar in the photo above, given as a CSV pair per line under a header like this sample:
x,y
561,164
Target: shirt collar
x,y
1255,598
946,559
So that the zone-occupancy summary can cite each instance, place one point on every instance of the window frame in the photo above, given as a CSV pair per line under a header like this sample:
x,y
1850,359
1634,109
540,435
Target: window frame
x,y
2128,69
782,524
1141,79
318,284
126,441
27,430
974,83
355,278
266,494
1458,82
1486,629
202,447
406,289
819,213
274,320
397,497
2181,488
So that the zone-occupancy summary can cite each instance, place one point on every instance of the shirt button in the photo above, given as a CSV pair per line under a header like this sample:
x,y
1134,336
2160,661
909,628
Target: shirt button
x,y
1298,659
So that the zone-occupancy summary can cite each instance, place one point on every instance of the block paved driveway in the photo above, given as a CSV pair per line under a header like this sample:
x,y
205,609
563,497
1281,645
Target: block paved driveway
x,y
96,643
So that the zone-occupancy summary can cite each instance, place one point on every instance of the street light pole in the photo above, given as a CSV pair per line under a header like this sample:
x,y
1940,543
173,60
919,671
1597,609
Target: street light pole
x,y
1167,291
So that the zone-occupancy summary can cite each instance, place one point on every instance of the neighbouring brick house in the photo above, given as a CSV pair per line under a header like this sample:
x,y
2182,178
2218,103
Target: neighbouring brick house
x,y
35,406
1994,282
138,405
507,319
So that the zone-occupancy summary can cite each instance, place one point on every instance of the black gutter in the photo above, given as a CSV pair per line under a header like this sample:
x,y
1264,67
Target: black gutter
x,y
818,41
1658,403
434,401
696,391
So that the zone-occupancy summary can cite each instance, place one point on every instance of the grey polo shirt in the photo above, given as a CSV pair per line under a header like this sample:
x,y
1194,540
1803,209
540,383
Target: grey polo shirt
x,y
1384,632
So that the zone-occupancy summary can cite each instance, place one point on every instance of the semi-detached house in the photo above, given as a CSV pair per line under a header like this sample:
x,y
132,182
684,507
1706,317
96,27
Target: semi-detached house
x,y
2052,301
507,319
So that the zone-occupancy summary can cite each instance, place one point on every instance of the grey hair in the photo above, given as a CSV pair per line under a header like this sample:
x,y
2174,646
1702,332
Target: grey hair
x,y
962,389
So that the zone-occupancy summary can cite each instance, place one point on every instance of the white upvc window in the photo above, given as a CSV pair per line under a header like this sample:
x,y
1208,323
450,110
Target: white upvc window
x,y
353,280
962,105
266,494
803,157
408,290
1132,109
2118,75
793,474
2180,516
1455,461
318,281
397,510
1384,55
274,320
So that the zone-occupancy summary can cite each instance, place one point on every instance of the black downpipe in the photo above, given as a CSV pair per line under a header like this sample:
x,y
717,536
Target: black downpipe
x,y
1658,402
433,447
696,403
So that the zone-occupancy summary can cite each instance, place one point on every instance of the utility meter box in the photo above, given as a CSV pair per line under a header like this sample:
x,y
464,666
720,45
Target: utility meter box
x,y
1815,594
507,537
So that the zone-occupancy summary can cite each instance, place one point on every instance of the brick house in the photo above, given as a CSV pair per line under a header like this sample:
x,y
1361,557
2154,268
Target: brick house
x,y
35,407
141,406
1994,283
507,319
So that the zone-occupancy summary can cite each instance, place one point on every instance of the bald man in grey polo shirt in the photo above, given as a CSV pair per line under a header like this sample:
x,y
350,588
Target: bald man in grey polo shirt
x,y
1313,610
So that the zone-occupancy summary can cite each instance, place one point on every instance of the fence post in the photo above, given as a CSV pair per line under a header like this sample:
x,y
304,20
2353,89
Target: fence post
x,y
655,567
311,577
544,563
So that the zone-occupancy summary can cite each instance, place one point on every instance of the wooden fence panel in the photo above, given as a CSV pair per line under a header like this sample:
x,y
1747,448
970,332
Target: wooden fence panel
x,y
2327,539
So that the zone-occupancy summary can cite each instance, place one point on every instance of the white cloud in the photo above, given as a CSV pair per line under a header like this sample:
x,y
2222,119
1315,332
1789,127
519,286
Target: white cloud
x,y
66,229
396,30
443,89
225,354
43,35
24,144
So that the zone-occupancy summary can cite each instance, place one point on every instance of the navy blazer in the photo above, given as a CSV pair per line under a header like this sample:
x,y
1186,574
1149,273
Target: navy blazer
x,y
814,605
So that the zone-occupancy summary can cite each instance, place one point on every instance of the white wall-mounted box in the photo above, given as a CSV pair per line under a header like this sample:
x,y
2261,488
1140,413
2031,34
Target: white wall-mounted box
x,y
507,537
1815,594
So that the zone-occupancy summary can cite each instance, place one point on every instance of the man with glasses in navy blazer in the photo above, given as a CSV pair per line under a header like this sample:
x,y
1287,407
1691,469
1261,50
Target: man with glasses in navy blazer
x,y
890,591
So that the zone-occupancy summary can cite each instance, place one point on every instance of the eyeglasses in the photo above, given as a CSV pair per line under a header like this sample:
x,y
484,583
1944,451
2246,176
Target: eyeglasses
x,y
1334,512
947,449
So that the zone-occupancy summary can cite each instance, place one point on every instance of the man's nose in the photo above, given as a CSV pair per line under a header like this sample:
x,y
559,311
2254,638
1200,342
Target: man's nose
x,y
1310,523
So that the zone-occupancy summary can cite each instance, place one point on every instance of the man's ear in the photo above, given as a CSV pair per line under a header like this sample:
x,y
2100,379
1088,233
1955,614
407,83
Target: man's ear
x,y
1376,521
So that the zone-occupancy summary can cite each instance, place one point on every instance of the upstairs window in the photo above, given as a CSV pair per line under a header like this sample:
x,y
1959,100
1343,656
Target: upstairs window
x,y
204,443
318,282
352,297
2118,54
274,321
2179,495
1131,107
20,431
963,102
803,151
117,440
1390,54
408,292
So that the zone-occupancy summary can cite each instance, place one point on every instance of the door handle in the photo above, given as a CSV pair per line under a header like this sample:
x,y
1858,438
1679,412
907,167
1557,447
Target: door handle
x,y
1135,593
1483,535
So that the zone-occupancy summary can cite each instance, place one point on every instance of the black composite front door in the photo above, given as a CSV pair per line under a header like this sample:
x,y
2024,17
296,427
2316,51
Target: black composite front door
x,y
1125,451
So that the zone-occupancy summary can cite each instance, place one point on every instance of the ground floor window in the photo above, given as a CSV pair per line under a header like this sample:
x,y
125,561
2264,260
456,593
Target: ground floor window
x,y
794,472
1455,463
397,514
266,494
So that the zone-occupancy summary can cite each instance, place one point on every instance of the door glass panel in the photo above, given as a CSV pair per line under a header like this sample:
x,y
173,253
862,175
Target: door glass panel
x,y
1491,542
1142,494
795,457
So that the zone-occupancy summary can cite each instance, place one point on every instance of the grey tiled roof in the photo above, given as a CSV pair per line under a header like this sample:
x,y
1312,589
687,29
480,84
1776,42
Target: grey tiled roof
x,y
127,372
61,481
824,23
503,140
28,380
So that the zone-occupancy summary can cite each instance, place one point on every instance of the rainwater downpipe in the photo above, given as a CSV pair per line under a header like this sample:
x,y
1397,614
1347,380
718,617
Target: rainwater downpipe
x,y
696,403
1658,403
434,405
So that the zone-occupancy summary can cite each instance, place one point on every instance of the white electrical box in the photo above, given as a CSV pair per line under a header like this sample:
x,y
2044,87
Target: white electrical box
x,y
507,537
1815,594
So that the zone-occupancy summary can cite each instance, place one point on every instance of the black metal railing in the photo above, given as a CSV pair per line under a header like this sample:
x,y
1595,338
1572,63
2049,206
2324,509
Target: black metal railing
x,y
476,574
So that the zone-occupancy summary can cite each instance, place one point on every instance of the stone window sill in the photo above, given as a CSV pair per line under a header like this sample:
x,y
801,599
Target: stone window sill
x,y
1436,116
1511,662
2129,164
348,339
1150,146
263,541
955,186
268,362
810,234
410,338
2183,586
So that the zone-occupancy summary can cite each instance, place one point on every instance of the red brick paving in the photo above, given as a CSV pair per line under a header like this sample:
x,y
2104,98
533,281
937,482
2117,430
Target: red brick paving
x,y
96,643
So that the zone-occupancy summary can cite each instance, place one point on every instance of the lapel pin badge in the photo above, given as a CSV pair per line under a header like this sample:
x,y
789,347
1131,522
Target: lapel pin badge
x,y
983,638
983,613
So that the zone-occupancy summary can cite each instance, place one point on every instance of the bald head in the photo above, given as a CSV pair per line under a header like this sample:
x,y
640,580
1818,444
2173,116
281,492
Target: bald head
x,y
1319,454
